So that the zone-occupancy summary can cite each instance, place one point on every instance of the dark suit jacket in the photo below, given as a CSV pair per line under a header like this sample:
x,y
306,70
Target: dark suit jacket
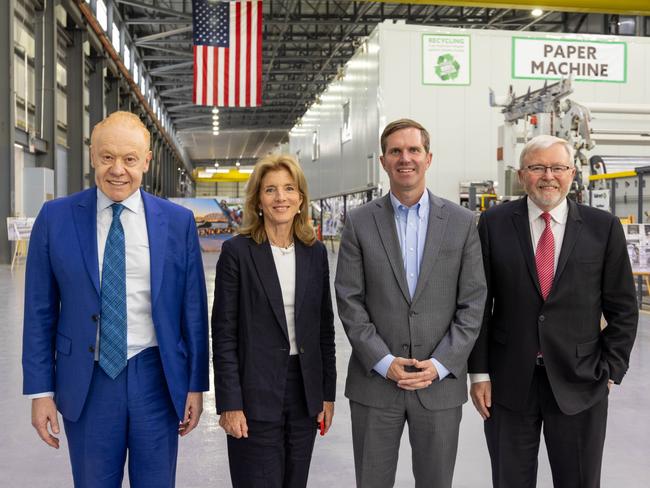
x,y
62,300
593,277
250,341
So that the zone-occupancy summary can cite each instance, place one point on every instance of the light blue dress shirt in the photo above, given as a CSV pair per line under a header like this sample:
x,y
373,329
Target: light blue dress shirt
x,y
411,224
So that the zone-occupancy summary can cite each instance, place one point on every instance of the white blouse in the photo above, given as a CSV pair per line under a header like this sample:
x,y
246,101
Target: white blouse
x,y
285,266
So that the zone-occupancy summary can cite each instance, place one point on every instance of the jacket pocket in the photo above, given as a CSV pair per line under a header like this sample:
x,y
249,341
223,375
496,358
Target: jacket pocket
x,y
182,347
63,344
587,348
500,336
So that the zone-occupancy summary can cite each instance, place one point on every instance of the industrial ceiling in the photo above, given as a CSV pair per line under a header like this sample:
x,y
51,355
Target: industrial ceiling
x,y
305,45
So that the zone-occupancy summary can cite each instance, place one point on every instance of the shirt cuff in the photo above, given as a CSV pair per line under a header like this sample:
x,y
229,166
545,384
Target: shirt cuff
x,y
34,396
442,371
384,363
478,377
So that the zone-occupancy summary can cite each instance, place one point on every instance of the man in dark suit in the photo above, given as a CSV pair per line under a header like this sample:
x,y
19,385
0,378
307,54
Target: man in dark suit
x,y
543,360
115,329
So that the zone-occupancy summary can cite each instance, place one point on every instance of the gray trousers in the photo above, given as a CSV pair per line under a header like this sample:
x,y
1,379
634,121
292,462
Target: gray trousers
x,y
376,435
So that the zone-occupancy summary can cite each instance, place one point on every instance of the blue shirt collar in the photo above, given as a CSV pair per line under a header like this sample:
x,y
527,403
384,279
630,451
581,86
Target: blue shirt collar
x,y
421,207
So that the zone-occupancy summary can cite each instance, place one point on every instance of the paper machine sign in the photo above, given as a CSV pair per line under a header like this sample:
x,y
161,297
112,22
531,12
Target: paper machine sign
x,y
582,60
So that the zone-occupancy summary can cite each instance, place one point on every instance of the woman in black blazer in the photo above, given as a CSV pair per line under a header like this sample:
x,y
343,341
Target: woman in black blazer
x,y
273,332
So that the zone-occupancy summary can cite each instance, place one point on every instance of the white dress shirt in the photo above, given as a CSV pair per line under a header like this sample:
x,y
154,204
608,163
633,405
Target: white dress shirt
x,y
537,225
285,266
140,332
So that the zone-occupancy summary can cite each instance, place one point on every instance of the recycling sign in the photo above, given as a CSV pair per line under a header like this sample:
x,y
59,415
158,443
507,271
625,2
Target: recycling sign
x,y
446,59
447,67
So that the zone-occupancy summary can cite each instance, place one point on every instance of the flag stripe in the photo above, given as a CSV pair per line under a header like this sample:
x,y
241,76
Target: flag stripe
x,y
258,78
194,82
209,79
232,56
228,57
239,40
247,68
252,83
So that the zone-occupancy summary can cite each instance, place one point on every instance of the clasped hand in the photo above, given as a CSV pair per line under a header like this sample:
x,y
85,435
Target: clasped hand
x,y
412,380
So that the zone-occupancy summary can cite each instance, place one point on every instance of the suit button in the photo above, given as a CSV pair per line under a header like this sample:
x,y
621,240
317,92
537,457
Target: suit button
x,y
405,347
91,349
412,313
542,318
95,317
302,350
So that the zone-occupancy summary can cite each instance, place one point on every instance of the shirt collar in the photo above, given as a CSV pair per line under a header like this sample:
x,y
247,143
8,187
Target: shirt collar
x,y
133,202
422,206
559,213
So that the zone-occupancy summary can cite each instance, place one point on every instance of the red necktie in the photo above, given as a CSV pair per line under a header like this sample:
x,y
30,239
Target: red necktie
x,y
545,257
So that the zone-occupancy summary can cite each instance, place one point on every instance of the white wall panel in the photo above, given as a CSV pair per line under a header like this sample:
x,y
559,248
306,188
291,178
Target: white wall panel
x,y
343,167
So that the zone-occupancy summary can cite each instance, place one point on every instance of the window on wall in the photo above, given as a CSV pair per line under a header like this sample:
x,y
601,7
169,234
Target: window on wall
x,y
136,73
143,86
102,14
116,38
127,57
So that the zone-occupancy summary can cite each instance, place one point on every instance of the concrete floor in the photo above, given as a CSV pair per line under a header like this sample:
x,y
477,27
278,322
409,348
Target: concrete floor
x,y
26,461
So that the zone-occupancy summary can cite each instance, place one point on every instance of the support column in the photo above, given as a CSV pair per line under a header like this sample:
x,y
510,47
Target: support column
x,y
162,172
7,125
97,105
167,185
75,68
113,95
45,68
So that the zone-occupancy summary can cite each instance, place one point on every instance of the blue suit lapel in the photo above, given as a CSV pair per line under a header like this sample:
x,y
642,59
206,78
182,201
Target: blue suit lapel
x,y
85,219
157,229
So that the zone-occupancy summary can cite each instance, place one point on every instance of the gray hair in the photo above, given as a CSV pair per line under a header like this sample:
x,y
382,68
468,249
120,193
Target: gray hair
x,y
541,142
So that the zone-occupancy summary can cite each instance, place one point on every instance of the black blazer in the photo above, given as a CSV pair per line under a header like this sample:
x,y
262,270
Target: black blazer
x,y
250,341
593,277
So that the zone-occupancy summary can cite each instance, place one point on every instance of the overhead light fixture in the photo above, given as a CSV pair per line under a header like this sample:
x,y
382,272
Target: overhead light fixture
x,y
238,164
215,116
215,110
216,164
537,12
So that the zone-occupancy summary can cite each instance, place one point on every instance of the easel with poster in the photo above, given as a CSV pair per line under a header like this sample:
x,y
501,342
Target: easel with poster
x,y
19,229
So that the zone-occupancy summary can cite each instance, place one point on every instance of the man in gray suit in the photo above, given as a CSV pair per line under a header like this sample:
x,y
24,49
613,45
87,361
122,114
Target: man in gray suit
x,y
410,290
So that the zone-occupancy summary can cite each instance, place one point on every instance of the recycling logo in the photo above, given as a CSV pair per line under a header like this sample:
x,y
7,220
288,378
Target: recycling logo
x,y
447,67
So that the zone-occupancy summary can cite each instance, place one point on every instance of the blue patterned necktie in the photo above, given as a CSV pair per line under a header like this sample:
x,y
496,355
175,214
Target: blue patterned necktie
x,y
112,336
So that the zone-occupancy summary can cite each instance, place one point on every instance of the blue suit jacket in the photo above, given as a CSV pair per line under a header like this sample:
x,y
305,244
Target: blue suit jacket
x,y
62,300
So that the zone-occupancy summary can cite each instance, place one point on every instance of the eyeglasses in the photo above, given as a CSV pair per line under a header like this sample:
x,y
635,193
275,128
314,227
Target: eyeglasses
x,y
540,169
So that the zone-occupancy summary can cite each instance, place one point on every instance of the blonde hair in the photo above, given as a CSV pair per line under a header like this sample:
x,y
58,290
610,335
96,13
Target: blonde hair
x,y
253,225
122,118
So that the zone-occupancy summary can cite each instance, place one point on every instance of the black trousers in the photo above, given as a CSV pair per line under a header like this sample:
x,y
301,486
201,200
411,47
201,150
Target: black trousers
x,y
574,442
276,454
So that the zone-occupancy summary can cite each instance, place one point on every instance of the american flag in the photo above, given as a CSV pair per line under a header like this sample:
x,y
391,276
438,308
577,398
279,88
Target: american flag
x,y
227,53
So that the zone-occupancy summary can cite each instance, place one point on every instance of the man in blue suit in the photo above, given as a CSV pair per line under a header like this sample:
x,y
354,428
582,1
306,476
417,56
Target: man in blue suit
x,y
115,330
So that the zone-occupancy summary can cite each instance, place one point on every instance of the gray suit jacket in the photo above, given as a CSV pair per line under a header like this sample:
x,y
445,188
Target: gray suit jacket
x,y
443,318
